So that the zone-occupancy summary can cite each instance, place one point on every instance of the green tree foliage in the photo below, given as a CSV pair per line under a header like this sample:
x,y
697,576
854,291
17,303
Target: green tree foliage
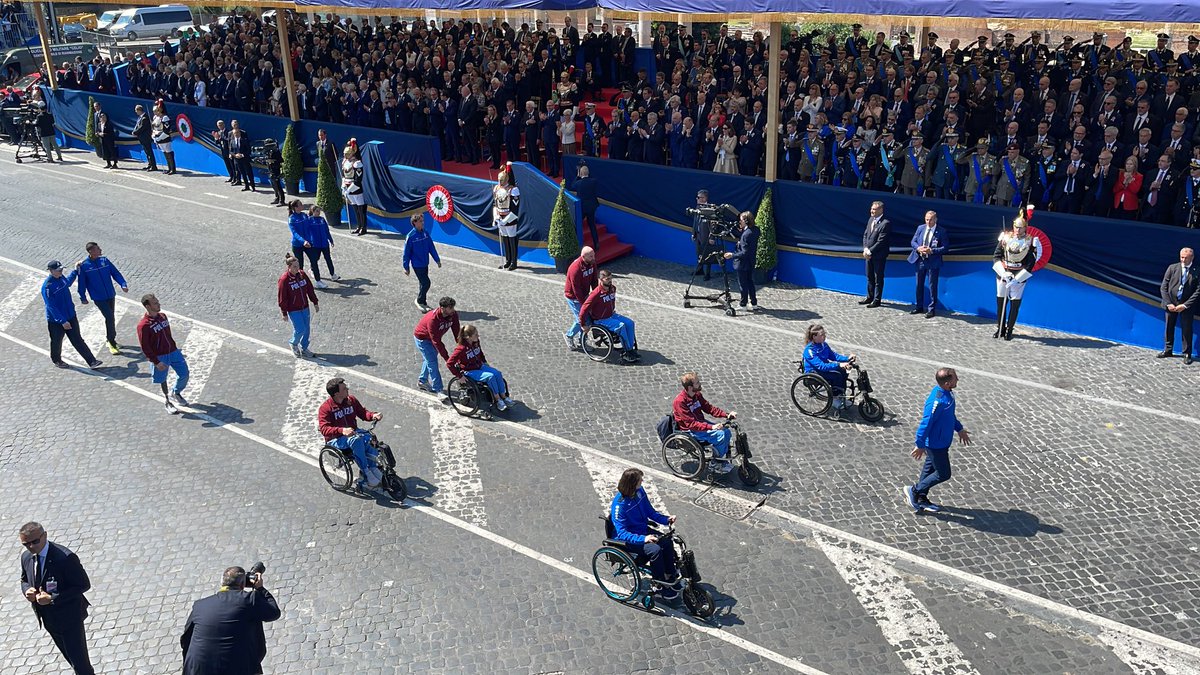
x,y
90,135
766,258
561,243
293,163
329,193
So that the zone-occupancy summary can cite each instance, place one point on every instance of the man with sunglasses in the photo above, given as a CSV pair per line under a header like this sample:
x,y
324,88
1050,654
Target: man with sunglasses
x,y
54,582
689,408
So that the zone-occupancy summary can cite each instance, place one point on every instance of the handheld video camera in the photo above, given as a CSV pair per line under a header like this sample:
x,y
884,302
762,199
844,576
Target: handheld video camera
x,y
721,218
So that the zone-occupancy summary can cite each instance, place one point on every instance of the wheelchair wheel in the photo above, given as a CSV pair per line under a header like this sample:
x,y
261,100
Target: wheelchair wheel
x,y
597,343
337,468
464,396
699,601
616,574
811,394
749,474
394,485
870,409
683,455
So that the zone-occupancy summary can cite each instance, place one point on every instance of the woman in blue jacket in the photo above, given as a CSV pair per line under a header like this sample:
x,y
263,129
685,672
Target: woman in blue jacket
x,y
322,241
631,513
820,358
300,224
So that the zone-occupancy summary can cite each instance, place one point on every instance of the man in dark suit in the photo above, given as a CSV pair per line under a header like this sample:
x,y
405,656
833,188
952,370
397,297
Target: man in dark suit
x,y
744,256
875,250
1180,292
585,190
929,244
54,582
141,131
224,632
702,238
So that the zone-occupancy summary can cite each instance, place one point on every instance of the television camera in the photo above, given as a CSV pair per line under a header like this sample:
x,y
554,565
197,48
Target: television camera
x,y
721,220
260,152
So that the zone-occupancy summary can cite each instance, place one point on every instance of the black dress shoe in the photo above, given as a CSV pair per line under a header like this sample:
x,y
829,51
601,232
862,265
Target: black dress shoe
x,y
1164,354
874,303
865,301
917,310
930,314
1187,359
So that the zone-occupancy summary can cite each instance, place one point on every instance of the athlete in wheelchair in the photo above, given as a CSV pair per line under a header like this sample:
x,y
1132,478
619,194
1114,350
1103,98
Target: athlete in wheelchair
x,y
603,329
825,383
642,555
476,383
346,443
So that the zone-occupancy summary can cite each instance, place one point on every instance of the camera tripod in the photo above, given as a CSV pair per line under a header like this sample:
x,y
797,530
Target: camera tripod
x,y
30,142
714,256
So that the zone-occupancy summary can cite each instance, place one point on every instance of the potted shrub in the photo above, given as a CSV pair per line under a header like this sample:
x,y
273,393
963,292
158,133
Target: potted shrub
x,y
89,135
293,162
766,258
561,243
329,193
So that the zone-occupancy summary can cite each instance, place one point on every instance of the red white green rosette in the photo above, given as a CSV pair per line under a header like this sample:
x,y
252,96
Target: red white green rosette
x,y
440,203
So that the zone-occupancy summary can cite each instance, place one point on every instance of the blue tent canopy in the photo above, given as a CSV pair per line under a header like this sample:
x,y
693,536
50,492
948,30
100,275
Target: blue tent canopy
x,y
451,5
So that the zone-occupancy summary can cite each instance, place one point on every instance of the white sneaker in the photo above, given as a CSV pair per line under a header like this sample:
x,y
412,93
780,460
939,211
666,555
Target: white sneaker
x,y
171,408
321,284
722,466
374,477
501,405
570,342
335,277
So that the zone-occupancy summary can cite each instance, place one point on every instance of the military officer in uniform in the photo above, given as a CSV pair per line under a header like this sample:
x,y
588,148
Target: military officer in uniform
x,y
944,170
1041,189
1016,253
915,167
812,157
1011,177
979,182
890,158
856,164
1187,211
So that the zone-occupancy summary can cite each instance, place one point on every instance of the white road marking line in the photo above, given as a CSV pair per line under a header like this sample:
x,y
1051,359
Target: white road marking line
x,y
21,297
710,316
126,174
775,516
456,465
307,394
213,194
201,348
902,618
91,325
605,475
1147,659
265,206
581,575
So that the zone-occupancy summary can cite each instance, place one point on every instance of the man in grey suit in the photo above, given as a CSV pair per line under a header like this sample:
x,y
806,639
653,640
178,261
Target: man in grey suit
x,y
875,251
1180,291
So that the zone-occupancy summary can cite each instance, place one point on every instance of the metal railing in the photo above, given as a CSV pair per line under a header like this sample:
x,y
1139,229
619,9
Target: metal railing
x,y
16,30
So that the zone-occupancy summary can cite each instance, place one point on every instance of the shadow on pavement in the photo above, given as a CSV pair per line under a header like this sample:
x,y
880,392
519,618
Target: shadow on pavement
x,y
1011,523
465,317
226,413
420,490
347,360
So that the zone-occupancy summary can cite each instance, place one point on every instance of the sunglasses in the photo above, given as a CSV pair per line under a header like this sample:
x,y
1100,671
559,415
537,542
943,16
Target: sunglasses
x,y
31,544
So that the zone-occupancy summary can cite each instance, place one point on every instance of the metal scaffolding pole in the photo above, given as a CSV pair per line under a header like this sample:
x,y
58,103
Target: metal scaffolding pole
x,y
51,74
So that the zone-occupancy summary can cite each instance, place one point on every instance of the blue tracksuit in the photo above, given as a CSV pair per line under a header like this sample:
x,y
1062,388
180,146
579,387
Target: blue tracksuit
x,y
56,293
630,516
419,248
318,232
821,359
96,278
299,225
938,422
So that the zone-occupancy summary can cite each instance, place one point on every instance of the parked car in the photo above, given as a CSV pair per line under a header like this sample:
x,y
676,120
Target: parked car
x,y
72,32
106,19
150,22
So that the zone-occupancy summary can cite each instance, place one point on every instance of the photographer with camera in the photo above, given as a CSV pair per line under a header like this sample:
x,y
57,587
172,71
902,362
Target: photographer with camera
x,y
44,121
702,237
224,632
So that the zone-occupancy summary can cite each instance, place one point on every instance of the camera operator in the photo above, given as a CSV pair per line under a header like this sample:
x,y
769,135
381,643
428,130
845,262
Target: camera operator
x,y
45,128
744,256
224,632
702,237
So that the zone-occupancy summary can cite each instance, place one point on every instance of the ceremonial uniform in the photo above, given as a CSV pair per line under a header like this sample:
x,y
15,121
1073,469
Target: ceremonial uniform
x,y
1187,210
891,156
1011,178
1041,189
1013,263
812,160
506,199
352,189
914,168
979,182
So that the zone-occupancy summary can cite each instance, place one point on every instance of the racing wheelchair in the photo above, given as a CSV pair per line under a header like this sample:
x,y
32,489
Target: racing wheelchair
x,y
470,397
625,578
599,343
813,395
689,458
337,466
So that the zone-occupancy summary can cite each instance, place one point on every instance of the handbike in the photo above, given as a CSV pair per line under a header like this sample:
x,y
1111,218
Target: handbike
x,y
337,466
624,576
688,457
813,395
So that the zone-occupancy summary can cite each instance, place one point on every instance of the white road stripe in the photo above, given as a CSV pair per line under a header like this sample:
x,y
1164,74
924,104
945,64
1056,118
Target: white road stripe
x,y
91,325
1148,659
300,420
902,618
134,176
554,563
605,474
22,296
213,194
201,348
766,513
456,466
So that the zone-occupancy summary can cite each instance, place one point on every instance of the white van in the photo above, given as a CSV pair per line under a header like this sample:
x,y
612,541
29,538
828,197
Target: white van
x,y
106,19
150,22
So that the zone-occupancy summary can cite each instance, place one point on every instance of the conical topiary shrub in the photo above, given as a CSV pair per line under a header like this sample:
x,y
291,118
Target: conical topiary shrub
x,y
90,135
293,164
766,258
561,242
329,193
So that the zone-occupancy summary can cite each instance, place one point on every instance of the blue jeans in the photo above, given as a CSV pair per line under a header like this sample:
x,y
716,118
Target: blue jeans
x,y
936,470
176,362
623,327
430,374
301,328
574,306
718,438
364,455
491,377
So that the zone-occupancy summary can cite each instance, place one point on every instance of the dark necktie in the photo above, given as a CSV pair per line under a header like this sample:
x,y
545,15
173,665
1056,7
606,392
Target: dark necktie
x,y
37,571
1182,280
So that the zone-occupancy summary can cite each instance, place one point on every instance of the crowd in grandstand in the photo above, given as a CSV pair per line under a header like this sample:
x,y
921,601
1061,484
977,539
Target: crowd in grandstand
x,y
1078,127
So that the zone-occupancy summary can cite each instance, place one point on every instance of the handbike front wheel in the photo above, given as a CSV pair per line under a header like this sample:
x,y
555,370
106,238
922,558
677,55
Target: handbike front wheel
x,y
616,574
683,456
749,474
394,485
337,469
871,409
699,601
